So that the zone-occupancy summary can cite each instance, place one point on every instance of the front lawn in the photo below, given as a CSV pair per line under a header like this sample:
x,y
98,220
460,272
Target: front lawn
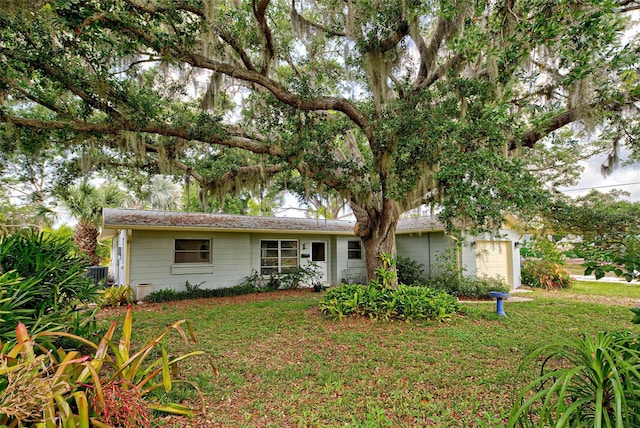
x,y
281,363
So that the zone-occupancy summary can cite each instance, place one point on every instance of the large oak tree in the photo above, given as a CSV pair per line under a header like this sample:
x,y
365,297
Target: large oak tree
x,y
393,104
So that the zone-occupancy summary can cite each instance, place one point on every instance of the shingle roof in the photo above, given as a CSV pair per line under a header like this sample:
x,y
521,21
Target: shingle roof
x,y
118,218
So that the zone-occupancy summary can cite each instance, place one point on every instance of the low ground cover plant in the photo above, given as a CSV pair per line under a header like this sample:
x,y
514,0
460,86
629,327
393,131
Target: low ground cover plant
x,y
112,385
402,303
380,300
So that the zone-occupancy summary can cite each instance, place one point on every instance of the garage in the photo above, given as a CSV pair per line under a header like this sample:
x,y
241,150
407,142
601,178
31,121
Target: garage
x,y
493,260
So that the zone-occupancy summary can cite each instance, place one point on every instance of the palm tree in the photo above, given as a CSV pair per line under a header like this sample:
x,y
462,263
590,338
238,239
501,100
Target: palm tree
x,y
85,202
162,193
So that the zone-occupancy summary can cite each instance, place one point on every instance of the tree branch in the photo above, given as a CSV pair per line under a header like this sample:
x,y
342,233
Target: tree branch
x,y
191,134
259,12
295,16
529,139
322,103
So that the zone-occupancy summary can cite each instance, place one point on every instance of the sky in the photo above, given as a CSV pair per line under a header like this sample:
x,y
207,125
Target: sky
x,y
625,178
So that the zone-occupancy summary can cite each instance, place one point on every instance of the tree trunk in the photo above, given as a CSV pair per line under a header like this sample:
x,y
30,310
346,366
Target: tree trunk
x,y
377,231
86,238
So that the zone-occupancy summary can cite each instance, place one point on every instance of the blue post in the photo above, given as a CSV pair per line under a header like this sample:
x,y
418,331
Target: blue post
x,y
499,303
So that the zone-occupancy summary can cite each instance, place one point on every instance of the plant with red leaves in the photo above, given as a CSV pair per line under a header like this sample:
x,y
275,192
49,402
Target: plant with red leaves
x,y
121,406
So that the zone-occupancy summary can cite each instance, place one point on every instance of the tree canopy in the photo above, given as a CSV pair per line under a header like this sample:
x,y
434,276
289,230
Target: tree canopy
x,y
603,229
391,104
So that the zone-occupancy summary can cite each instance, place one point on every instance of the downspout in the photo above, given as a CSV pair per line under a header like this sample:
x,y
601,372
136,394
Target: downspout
x,y
127,259
458,248
429,251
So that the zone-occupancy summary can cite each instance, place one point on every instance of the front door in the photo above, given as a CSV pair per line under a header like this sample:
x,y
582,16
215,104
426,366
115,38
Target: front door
x,y
319,257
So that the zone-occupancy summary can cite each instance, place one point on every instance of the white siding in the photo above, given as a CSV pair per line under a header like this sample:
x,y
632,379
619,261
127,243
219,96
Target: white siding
x,y
117,266
152,260
358,268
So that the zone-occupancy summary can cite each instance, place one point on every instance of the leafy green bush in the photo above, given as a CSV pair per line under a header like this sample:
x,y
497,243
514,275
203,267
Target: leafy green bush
x,y
588,382
43,284
409,271
545,274
467,286
403,302
168,294
109,387
116,295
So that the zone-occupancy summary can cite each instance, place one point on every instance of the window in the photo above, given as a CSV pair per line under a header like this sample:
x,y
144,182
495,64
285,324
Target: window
x,y
354,250
278,256
192,251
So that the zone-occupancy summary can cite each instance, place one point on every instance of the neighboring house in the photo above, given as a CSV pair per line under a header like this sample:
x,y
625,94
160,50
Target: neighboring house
x,y
153,250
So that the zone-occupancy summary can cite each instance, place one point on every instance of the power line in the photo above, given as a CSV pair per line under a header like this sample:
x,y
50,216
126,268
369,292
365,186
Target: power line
x,y
599,187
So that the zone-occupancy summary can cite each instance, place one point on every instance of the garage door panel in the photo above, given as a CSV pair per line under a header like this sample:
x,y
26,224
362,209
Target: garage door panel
x,y
492,259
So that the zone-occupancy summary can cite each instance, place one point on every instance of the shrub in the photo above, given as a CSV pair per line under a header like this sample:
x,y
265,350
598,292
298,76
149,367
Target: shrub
x,y
116,295
544,274
110,387
44,284
254,283
409,271
467,286
592,381
379,300
168,294
403,302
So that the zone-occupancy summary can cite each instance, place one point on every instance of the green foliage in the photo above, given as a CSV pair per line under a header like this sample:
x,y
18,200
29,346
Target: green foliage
x,y
448,129
111,386
43,284
308,274
544,274
402,303
467,286
592,381
169,294
116,295
385,274
608,229
409,271
543,247
253,283
379,300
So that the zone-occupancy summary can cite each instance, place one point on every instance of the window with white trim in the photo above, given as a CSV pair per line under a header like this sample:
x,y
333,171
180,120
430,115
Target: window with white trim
x,y
278,256
192,251
354,250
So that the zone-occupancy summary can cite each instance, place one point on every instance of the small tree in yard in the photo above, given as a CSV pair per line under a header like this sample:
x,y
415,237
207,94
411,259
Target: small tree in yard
x,y
391,104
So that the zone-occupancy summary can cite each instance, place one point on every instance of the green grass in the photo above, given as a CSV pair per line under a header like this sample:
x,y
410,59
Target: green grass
x,y
283,364
602,288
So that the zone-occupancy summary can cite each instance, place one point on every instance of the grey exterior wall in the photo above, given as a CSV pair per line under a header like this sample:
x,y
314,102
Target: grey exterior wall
x,y
426,248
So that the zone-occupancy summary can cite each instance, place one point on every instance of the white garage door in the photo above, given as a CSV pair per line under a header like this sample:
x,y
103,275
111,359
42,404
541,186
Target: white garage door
x,y
493,259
